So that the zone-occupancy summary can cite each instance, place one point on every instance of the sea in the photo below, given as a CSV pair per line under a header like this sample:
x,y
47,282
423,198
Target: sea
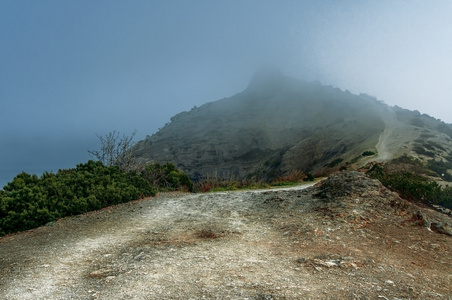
x,y
37,158
7,173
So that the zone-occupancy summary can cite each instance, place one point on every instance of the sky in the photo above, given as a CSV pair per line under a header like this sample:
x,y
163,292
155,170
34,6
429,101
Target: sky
x,y
72,69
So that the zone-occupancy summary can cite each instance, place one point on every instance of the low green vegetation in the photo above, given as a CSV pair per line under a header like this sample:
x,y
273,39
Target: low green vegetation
x,y
420,149
440,168
295,177
167,177
215,184
445,128
29,201
408,177
368,153
417,122
335,162
429,145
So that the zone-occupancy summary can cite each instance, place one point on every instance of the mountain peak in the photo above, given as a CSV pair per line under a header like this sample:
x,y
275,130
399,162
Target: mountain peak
x,y
281,124
267,79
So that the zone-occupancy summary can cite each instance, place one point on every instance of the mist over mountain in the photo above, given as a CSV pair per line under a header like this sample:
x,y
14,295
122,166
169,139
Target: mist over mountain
x,y
279,124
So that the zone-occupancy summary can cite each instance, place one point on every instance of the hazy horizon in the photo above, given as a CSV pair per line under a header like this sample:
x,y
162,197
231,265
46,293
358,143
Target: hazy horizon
x,y
70,70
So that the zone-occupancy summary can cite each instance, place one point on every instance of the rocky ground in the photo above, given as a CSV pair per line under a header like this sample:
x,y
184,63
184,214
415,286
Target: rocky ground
x,y
348,237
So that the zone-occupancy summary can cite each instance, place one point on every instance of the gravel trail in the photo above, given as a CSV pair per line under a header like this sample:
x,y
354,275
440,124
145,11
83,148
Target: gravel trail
x,y
265,244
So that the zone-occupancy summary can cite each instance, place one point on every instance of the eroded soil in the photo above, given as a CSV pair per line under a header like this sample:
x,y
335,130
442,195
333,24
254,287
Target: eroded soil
x,y
353,240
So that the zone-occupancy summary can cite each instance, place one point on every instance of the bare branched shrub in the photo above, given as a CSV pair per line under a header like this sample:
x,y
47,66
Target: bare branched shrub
x,y
292,176
216,183
115,150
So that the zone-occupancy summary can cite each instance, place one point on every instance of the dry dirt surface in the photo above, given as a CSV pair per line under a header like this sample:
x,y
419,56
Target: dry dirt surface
x,y
348,237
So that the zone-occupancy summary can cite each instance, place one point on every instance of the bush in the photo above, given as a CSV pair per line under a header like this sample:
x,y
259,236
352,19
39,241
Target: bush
x,y
417,122
368,153
166,177
28,201
216,184
440,168
309,177
335,162
419,149
293,177
412,186
115,150
444,128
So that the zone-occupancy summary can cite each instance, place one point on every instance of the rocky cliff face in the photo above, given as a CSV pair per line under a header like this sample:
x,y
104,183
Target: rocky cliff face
x,y
278,124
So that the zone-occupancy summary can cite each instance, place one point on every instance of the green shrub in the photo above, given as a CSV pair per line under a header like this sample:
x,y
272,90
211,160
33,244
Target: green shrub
x,y
417,122
435,145
291,178
309,177
412,186
419,149
440,168
28,201
444,128
166,177
368,153
216,184
335,162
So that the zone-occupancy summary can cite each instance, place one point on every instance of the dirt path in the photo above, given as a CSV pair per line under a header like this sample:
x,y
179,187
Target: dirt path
x,y
395,137
382,145
237,245
392,125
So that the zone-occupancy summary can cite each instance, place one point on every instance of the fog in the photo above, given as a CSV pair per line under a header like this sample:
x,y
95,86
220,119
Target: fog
x,y
71,69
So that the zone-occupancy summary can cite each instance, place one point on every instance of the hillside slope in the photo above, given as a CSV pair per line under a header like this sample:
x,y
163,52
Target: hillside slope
x,y
346,238
278,124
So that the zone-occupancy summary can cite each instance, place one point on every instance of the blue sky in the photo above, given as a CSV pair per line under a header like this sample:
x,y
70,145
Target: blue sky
x,y
71,69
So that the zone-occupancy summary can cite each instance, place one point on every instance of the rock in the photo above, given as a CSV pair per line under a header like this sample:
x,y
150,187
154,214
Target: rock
x,y
419,218
441,228
139,256
349,184
301,260
100,273
390,282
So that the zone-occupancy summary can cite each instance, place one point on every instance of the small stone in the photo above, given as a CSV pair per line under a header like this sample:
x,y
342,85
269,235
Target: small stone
x,y
301,260
139,256
100,273
330,263
435,246
441,228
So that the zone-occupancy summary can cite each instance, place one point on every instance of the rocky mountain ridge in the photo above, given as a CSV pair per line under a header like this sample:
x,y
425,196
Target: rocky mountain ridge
x,y
279,124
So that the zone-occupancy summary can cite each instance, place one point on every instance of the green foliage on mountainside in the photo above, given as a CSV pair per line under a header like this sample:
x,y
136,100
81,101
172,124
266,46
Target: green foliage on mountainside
x,y
29,201
216,184
276,125
166,177
411,179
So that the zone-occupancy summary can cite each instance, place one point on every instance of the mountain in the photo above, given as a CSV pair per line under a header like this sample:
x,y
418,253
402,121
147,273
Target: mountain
x,y
279,124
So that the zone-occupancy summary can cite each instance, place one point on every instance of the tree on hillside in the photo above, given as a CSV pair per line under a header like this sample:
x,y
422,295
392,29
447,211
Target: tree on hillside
x,y
115,150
